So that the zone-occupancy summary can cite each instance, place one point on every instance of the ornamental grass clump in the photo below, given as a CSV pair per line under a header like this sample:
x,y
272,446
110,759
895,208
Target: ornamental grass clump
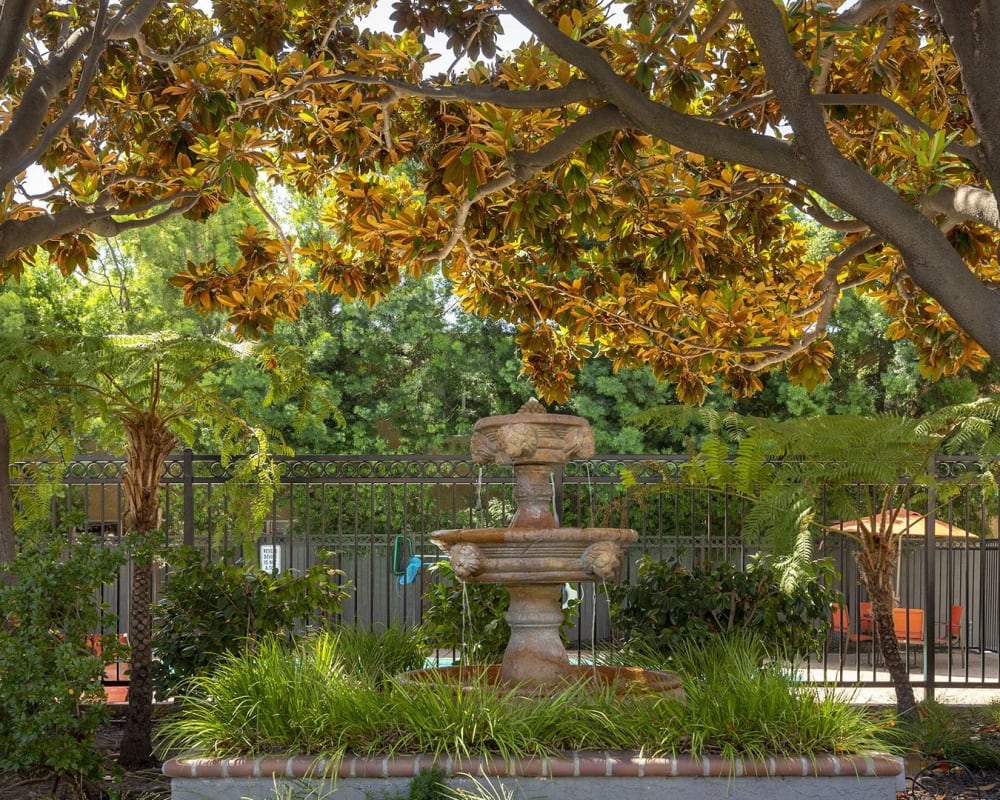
x,y
743,701
277,699
312,699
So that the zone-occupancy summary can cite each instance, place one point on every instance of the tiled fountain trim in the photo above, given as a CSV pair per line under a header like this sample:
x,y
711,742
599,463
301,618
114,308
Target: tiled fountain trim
x,y
584,775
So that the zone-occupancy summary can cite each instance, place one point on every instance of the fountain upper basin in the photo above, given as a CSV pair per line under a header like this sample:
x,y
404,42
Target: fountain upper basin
x,y
535,555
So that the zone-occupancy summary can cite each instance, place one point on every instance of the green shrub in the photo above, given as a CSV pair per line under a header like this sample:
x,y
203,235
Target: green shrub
x,y
51,695
211,609
670,604
469,617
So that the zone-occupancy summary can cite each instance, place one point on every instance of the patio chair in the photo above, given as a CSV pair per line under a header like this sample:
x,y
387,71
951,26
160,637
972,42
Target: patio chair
x,y
846,635
908,624
952,639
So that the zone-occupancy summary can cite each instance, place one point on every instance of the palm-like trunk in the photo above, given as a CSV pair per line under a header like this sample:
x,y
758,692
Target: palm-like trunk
x,y
137,739
150,441
877,569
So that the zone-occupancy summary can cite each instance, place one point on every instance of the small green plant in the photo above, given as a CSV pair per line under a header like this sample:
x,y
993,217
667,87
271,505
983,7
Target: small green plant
x,y
941,732
468,618
428,785
378,655
211,609
51,695
670,605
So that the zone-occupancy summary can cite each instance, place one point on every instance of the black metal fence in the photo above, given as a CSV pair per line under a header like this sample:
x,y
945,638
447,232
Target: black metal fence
x,y
375,515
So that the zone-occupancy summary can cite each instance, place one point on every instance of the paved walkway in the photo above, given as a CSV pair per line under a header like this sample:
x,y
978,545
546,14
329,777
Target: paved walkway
x,y
975,683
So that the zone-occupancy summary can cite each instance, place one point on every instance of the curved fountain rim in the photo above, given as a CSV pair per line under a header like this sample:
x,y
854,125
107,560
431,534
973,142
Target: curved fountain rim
x,y
531,417
625,680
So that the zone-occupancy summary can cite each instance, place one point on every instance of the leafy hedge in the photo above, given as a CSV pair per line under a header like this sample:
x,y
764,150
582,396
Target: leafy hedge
x,y
670,604
51,693
209,610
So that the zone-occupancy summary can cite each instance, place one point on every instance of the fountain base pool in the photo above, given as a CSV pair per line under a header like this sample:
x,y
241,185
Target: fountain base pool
x,y
621,679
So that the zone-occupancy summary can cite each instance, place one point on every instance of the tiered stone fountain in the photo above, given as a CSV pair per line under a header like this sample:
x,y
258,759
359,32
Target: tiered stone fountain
x,y
534,557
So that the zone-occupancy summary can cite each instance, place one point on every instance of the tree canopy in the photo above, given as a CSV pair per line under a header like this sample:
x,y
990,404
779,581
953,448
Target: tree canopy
x,y
631,180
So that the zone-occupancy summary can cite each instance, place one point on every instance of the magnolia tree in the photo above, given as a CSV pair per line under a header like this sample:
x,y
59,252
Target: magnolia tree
x,y
630,180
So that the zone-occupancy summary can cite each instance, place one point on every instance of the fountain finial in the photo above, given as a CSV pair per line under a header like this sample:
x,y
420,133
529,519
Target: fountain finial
x,y
532,407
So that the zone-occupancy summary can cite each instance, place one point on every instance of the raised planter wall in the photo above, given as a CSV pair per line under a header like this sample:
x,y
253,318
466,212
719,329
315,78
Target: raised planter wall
x,y
576,776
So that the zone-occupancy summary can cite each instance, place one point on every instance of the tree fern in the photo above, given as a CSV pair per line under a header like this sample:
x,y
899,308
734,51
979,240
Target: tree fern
x,y
866,469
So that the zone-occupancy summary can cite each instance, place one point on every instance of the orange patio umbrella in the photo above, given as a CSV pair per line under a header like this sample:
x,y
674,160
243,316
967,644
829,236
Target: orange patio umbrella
x,y
906,523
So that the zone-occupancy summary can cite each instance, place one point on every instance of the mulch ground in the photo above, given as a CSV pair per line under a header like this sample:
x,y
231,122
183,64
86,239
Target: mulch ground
x,y
951,781
147,784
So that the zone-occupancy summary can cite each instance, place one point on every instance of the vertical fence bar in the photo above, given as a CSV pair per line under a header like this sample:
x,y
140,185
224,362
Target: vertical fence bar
x,y
930,586
187,478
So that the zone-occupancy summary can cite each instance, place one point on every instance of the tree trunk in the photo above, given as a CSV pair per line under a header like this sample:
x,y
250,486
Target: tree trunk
x,y
7,543
877,569
137,739
150,442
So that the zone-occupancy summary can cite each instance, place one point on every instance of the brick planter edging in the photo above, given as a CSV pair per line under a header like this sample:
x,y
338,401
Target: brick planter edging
x,y
572,765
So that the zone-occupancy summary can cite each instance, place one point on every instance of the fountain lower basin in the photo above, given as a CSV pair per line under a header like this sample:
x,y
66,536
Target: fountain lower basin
x,y
621,680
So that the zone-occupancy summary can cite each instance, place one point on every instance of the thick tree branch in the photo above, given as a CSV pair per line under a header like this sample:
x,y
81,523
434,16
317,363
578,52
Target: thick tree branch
x,y
130,19
16,234
53,129
525,165
686,132
861,12
965,203
14,17
40,93
974,33
790,79
19,147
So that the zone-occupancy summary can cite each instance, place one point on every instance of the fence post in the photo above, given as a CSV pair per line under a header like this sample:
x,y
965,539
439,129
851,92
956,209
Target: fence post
x,y
930,583
187,476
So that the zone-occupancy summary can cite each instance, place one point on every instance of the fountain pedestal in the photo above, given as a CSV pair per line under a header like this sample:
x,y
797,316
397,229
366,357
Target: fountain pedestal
x,y
535,657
